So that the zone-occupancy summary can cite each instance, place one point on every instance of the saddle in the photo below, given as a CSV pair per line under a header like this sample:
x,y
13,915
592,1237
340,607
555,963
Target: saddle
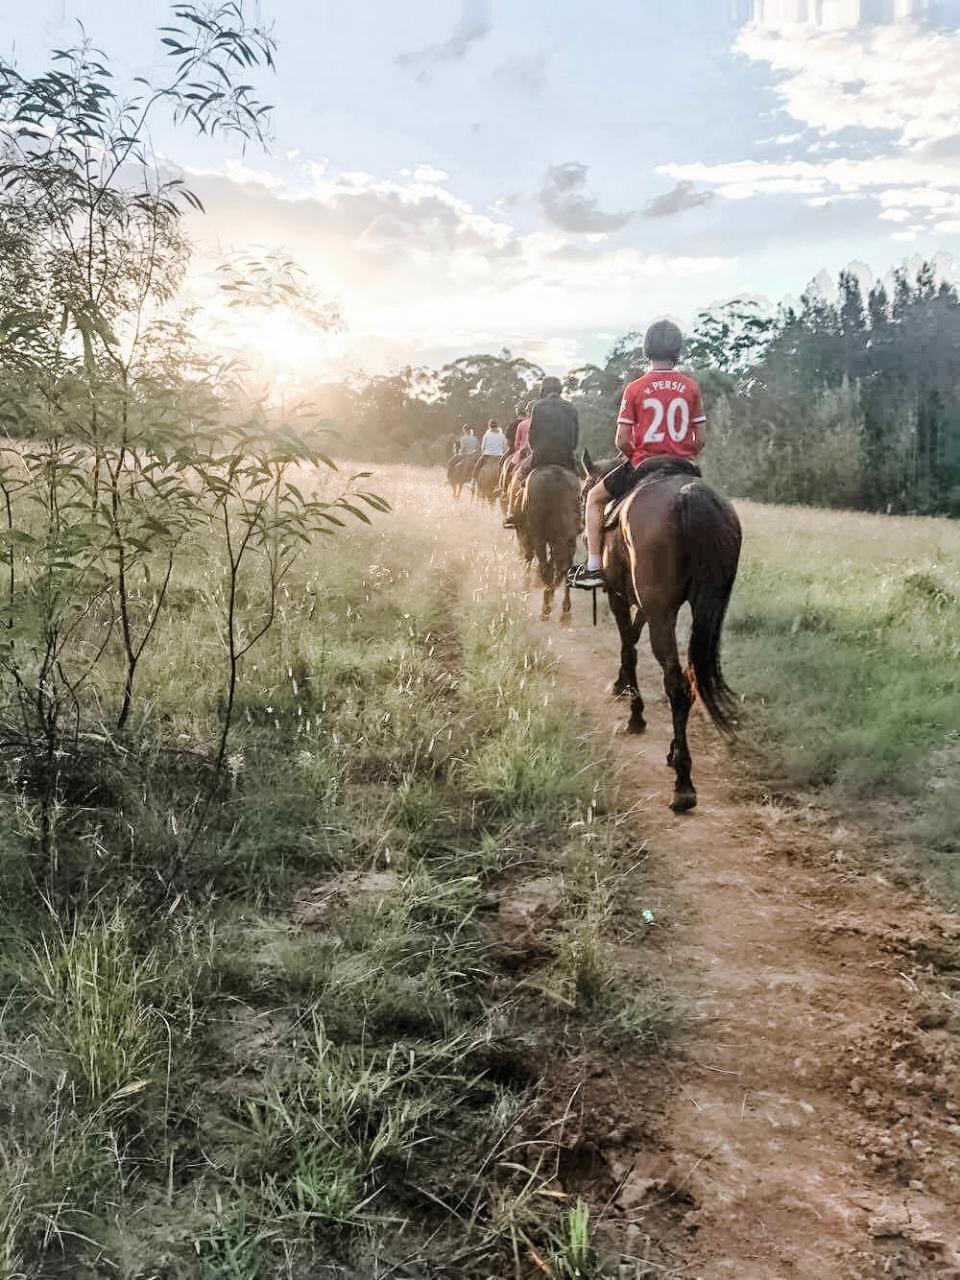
x,y
648,472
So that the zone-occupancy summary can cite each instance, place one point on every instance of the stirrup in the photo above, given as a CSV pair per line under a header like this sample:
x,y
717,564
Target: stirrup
x,y
586,579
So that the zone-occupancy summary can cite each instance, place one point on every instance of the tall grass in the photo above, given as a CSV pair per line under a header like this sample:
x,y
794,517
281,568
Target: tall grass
x,y
845,638
282,1051
93,994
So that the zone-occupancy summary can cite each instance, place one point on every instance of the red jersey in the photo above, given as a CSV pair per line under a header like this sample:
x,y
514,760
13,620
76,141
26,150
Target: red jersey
x,y
664,410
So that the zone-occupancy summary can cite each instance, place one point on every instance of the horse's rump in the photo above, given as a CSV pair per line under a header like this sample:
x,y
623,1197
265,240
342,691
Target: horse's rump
x,y
459,469
551,518
488,476
683,544
550,494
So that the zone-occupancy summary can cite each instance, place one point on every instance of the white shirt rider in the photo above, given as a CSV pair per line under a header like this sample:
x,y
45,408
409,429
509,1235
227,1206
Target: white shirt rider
x,y
494,443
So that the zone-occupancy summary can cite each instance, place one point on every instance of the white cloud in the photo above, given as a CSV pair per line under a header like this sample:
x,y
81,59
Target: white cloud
x,y
898,77
408,259
425,173
916,198
241,173
738,179
895,85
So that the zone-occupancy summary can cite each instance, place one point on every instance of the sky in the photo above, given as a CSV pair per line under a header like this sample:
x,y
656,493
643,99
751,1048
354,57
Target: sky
x,y
545,175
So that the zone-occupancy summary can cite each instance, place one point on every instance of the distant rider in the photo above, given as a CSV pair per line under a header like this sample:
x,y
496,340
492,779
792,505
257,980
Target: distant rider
x,y
553,434
493,445
521,439
661,414
468,444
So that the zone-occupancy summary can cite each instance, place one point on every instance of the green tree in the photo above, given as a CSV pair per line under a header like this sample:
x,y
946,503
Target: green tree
x,y
115,457
729,337
475,388
841,390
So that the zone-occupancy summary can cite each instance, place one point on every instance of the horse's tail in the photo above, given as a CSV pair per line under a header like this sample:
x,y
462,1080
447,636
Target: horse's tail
x,y
711,538
554,523
543,553
541,545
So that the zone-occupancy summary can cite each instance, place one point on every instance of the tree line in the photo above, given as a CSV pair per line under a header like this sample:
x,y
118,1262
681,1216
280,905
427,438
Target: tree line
x,y
852,401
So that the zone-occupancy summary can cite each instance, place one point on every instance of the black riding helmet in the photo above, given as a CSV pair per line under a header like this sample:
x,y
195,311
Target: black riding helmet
x,y
663,341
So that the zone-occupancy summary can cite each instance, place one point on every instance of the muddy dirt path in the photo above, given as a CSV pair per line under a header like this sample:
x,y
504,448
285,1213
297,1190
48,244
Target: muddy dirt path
x,y
804,1120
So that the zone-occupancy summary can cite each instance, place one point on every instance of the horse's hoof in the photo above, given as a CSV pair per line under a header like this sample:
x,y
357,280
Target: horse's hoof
x,y
544,617
684,800
565,620
634,727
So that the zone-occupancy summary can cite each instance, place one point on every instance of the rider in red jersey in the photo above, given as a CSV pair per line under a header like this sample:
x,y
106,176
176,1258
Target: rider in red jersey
x,y
661,413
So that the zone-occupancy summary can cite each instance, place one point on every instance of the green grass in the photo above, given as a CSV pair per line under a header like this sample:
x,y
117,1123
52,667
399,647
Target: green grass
x,y
93,994
288,1048
573,1255
844,636
300,1044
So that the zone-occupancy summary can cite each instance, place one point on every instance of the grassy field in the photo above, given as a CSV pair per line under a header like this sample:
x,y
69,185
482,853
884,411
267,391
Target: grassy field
x,y
315,1040
328,1035
844,638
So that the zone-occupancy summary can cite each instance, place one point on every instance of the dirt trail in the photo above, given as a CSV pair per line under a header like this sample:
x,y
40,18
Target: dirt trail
x,y
805,1120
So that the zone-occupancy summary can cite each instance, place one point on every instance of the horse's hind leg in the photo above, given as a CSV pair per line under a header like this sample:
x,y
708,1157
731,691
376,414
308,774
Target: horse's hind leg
x,y
563,573
676,683
565,616
545,569
526,555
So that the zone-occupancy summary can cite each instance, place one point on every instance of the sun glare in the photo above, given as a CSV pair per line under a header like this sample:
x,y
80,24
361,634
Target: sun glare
x,y
282,349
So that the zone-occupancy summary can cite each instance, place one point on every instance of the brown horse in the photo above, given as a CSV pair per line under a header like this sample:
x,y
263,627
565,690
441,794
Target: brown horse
x,y
508,470
675,542
459,471
488,477
550,523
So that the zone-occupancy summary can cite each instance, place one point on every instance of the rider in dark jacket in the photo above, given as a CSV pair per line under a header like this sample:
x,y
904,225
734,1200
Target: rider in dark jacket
x,y
554,429
554,434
